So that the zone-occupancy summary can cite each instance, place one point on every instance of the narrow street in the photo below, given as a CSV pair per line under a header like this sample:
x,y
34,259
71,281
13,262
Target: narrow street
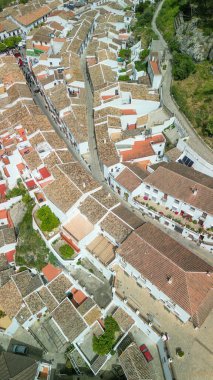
x,y
195,141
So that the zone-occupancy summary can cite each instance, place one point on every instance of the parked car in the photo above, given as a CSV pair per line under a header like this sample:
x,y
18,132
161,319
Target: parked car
x,y
19,349
146,353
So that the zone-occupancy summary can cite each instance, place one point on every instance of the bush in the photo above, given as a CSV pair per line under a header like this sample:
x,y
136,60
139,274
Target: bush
x,y
48,219
144,54
103,345
17,191
125,53
140,66
183,66
2,314
123,78
66,251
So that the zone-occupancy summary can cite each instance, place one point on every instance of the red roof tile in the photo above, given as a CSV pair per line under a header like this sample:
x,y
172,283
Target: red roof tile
x,y
3,214
20,167
128,179
128,112
50,272
6,172
44,173
141,149
10,256
154,66
31,184
3,189
78,296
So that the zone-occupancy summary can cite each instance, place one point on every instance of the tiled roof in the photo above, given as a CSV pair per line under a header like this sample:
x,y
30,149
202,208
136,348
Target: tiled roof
x,y
182,180
48,298
105,198
135,365
34,302
93,315
10,299
50,272
92,210
69,320
159,258
128,180
59,286
26,282
79,176
29,18
13,366
142,148
102,248
127,216
123,319
115,227
62,192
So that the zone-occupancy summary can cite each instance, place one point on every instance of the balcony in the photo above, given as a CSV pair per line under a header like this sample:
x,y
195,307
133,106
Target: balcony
x,y
181,218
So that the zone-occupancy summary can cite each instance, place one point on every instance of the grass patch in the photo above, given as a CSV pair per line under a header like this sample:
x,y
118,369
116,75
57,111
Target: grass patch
x,y
66,252
194,97
31,249
103,345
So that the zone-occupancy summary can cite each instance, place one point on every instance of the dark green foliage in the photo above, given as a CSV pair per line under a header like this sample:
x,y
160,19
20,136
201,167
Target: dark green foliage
x,y
139,65
125,53
31,249
16,191
183,66
103,345
66,252
144,54
9,43
2,314
123,78
48,219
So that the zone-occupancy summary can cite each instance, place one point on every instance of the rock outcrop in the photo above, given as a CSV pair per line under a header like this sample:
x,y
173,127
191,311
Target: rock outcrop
x,y
192,40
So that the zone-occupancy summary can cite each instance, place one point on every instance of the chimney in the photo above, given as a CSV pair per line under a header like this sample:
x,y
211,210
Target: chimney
x,y
84,185
194,191
169,279
208,273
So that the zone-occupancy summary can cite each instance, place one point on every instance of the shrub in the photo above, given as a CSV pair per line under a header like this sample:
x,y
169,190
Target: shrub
x,y
140,66
2,314
183,66
123,78
125,53
66,251
16,191
103,345
48,219
144,54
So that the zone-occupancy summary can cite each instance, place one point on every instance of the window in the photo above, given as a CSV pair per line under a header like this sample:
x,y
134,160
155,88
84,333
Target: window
x,y
51,63
155,191
147,187
192,209
154,199
176,201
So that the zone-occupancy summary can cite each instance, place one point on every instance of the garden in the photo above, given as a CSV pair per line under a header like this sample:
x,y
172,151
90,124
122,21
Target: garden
x,y
31,250
48,220
103,344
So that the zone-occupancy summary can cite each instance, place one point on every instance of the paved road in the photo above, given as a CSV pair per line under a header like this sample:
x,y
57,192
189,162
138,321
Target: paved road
x,y
95,165
195,142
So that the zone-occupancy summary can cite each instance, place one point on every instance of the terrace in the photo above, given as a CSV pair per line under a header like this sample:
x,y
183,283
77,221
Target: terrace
x,y
183,219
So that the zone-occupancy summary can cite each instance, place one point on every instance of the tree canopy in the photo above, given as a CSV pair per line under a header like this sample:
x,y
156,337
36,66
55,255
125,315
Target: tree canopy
x,y
183,66
103,345
48,219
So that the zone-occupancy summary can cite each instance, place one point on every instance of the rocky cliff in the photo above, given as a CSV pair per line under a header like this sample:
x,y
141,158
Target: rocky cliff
x,y
192,40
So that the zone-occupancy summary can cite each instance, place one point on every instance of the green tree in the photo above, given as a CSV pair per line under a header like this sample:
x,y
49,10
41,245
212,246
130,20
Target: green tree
x,y
103,344
183,66
48,219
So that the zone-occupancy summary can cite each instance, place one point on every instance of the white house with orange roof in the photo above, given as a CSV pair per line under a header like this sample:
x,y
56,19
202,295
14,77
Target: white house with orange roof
x,y
154,72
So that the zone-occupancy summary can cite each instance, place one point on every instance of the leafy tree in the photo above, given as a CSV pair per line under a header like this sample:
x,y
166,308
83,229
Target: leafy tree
x,y
3,47
183,66
48,219
144,54
103,344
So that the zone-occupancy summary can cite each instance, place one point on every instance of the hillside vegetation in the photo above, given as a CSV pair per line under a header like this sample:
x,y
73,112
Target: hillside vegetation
x,y
193,81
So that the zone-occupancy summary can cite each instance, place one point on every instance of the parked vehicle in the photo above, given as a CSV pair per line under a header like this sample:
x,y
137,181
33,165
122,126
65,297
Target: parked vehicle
x,y
146,353
19,349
